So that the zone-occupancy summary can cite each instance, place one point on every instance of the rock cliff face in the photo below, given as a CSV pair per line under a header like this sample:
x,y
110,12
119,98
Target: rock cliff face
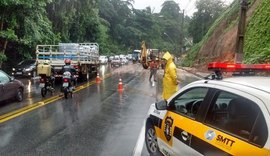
x,y
221,44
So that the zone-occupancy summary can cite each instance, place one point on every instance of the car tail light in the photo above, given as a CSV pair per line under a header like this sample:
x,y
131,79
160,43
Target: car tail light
x,y
65,80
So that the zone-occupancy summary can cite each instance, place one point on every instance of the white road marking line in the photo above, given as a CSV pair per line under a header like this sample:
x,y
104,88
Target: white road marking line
x,y
140,142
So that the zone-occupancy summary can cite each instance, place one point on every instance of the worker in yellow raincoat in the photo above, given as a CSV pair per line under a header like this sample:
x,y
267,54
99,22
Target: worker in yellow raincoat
x,y
170,82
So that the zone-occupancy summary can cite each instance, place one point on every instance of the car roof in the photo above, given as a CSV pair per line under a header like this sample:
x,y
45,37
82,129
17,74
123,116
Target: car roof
x,y
256,82
259,82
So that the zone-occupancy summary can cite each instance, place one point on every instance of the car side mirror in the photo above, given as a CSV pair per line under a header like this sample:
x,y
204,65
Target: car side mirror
x,y
161,105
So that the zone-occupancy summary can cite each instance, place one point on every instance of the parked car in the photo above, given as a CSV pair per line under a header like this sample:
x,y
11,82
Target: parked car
x,y
103,59
25,68
124,60
10,87
129,57
110,58
116,61
216,116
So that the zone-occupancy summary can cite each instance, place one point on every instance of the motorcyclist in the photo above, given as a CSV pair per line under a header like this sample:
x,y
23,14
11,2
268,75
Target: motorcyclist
x,y
69,68
49,76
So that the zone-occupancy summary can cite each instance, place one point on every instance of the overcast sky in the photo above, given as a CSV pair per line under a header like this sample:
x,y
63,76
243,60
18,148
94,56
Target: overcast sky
x,y
187,5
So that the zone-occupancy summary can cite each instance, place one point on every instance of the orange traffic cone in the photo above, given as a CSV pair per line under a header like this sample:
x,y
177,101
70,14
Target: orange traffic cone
x,y
98,78
120,85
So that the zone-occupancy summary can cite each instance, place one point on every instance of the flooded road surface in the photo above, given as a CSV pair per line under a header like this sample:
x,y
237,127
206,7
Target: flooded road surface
x,y
99,120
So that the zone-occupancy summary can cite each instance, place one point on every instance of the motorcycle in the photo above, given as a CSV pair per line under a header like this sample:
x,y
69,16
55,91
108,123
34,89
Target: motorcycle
x,y
46,84
67,87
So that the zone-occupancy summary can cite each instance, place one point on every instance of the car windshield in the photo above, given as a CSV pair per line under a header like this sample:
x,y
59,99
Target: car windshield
x,y
27,62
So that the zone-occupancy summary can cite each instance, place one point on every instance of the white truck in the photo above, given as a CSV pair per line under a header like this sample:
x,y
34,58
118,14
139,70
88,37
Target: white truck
x,y
84,57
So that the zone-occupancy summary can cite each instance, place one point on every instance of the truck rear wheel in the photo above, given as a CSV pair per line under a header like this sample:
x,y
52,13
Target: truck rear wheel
x,y
43,91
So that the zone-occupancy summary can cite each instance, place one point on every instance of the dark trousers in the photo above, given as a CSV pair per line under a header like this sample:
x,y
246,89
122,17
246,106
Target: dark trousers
x,y
153,72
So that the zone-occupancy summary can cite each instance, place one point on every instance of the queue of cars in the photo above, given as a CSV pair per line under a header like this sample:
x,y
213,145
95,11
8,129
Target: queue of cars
x,y
116,60
215,116
13,88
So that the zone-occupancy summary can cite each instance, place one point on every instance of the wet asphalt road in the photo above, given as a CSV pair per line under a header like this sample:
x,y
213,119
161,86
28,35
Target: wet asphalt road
x,y
97,121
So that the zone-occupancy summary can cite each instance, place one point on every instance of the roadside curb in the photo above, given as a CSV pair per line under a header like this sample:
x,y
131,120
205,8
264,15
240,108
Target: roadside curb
x,y
194,71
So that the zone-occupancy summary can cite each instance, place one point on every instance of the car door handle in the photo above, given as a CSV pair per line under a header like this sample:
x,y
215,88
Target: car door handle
x,y
184,135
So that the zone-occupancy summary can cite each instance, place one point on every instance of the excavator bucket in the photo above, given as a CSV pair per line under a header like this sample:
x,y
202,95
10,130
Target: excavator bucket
x,y
144,60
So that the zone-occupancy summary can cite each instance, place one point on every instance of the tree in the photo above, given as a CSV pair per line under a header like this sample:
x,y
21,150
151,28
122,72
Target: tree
x,y
23,24
207,13
170,9
172,25
74,20
119,17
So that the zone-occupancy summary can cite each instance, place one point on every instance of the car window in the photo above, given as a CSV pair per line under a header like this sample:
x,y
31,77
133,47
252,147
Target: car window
x,y
189,102
3,78
239,116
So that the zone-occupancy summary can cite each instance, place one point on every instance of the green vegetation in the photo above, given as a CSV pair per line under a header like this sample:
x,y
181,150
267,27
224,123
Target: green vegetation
x,y
119,28
257,37
191,56
208,12
229,15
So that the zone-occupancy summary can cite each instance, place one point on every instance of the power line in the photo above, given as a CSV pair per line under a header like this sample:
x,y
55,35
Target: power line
x,y
188,7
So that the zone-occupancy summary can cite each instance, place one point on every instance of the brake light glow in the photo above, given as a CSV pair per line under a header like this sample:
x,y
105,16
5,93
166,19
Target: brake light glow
x,y
65,80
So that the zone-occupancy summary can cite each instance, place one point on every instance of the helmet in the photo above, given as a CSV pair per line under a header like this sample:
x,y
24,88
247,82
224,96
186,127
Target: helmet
x,y
46,62
67,61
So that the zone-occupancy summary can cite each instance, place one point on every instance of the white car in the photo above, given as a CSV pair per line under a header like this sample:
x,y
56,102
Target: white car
x,y
214,117
103,59
116,61
129,56
124,60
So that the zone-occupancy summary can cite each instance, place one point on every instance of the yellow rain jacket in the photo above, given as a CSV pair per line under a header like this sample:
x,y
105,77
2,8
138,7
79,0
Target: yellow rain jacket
x,y
170,85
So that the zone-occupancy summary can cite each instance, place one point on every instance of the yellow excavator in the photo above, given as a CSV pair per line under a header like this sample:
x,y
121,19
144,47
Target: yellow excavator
x,y
146,55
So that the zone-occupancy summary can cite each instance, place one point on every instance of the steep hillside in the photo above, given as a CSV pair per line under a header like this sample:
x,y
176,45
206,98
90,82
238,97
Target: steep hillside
x,y
220,42
257,41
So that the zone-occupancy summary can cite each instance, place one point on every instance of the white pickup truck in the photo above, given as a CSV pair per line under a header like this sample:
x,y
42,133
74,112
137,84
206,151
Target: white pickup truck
x,y
84,57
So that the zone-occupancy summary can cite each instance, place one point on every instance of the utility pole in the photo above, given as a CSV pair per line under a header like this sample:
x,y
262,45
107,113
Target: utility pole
x,y
241,32
182,32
